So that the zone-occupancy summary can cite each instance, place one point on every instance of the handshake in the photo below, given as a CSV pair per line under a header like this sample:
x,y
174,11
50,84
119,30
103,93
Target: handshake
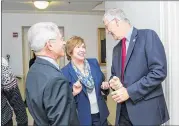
x,y
119,93
114,84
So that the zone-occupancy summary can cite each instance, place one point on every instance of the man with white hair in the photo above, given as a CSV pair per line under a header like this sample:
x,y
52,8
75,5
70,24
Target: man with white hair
x,y
49,98
138,68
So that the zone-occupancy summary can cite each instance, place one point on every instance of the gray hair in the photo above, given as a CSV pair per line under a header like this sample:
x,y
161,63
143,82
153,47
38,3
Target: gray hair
x,y
40,33
115,13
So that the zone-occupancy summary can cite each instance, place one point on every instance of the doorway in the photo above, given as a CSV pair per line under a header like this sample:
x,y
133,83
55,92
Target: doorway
x,y
27,54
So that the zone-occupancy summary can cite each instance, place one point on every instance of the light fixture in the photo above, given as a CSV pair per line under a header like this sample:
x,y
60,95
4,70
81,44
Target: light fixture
x,y
41,4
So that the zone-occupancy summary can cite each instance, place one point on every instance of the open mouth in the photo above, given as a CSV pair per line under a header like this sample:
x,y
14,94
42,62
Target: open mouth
x,y
82,54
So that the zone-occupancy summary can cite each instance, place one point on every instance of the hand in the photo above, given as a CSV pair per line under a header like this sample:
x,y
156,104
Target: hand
x,y
120,95
115,83
105,86
77,87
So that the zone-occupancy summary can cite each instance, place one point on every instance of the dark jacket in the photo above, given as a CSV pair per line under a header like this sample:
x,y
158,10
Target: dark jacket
x,y
145,70
49,97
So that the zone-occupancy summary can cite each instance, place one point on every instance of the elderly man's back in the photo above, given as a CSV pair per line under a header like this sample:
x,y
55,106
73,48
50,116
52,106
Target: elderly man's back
x,y
49,97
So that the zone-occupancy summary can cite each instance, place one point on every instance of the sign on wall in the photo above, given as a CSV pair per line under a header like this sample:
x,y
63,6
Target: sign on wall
x,y
15,34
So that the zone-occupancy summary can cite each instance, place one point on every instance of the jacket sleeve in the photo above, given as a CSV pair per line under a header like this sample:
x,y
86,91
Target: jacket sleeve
x,y
157,65
57,101
65,72
106,92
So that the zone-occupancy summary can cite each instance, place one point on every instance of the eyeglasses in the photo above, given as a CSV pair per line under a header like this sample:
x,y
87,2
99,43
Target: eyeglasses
x,y
107,26
62,39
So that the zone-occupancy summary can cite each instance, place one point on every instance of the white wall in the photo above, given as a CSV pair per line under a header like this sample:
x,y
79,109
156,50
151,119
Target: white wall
x,y
169,34
81,25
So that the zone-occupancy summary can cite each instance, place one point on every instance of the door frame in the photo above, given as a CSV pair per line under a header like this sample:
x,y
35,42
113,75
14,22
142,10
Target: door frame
x,y
24,62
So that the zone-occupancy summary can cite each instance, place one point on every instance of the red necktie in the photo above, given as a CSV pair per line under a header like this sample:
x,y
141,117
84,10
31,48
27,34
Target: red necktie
x,y
123,58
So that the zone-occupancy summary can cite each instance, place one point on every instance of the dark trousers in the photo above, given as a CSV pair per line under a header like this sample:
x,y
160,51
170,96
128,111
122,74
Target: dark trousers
x,y
96,120
124,118
9,123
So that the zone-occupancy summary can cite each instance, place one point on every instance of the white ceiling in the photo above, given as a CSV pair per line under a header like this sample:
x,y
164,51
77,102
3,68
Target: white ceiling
x,y
55,6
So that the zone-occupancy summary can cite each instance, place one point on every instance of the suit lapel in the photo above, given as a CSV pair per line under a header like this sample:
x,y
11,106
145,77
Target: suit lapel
x,y
131,46
93,73
119,55
73,74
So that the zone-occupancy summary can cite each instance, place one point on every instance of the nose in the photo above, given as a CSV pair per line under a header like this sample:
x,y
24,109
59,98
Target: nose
x,y
82,49
107,31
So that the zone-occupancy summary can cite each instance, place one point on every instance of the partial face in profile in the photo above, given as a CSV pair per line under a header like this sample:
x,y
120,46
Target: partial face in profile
x,y
114,28
57,46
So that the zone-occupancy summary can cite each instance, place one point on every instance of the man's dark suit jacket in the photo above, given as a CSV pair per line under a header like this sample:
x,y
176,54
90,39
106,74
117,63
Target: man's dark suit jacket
x,y
145,70
49,97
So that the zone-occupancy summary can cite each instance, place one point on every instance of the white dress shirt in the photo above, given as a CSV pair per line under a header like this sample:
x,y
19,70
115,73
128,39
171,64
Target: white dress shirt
x,y
93,102
128,38
50,60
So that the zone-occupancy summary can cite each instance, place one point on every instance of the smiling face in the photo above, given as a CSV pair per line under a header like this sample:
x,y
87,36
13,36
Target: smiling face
x,y
76,49
79,52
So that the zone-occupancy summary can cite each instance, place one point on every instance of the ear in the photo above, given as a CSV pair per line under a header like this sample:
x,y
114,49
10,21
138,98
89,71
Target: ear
x,y
49,45
71,53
